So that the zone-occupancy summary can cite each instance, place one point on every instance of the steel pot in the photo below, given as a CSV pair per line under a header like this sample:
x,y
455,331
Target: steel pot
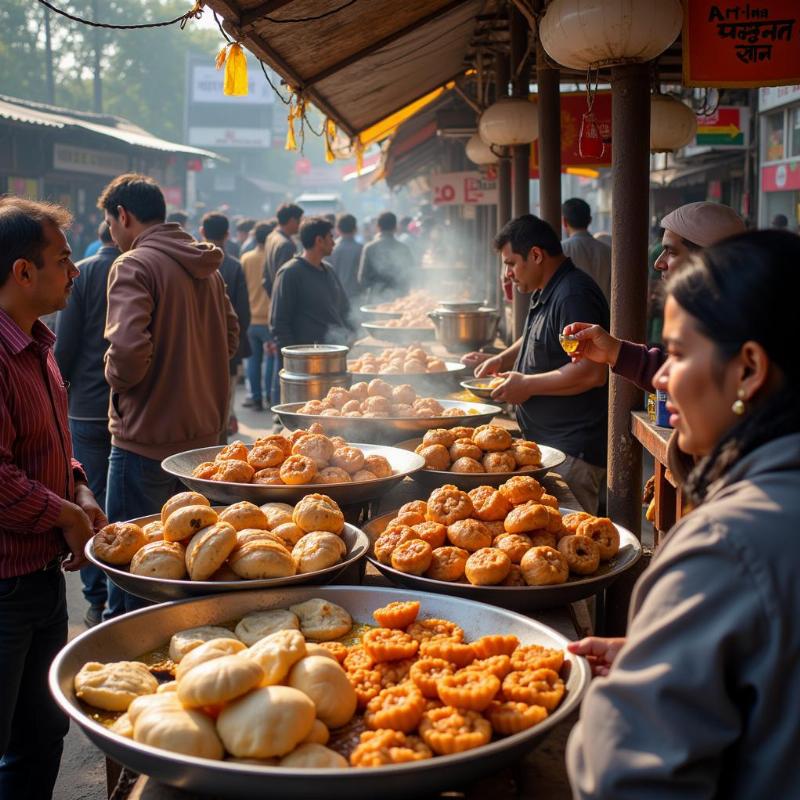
x,y
460,331
300,388
315,359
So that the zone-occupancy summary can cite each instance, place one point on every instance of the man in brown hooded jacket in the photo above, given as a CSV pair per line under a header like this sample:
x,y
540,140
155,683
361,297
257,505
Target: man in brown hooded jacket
x,y
171,331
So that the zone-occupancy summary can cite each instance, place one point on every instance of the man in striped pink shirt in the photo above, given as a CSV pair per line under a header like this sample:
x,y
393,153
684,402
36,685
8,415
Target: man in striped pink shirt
x,y
47,512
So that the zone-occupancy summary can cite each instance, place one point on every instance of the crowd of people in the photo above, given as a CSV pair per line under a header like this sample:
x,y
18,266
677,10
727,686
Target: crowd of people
x,y
151,330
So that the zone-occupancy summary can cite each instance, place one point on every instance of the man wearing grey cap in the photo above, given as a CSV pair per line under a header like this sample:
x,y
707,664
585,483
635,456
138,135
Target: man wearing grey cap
x,y
687,229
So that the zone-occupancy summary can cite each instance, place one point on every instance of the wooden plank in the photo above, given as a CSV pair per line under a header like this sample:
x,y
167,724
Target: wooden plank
x,y
381,43
252,15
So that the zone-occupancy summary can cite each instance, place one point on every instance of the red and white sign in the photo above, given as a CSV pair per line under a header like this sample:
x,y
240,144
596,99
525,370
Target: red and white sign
x,y
463,189
781,177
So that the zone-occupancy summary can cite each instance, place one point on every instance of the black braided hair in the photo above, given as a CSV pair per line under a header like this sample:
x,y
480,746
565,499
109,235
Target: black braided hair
x,y
742,289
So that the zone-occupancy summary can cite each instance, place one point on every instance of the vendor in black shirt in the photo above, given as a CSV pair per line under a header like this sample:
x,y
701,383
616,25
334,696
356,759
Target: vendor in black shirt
x,y
309,305
559,403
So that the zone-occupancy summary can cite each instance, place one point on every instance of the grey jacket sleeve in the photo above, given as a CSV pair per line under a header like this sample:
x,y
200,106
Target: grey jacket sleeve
x,y
659,724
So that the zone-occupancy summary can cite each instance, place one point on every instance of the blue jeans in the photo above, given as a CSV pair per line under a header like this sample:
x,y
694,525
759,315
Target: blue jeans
x,y
137,487
91,444
262,369
33,628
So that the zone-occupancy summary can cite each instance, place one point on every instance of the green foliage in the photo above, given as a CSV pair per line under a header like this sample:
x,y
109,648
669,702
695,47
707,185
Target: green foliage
x,y
143,72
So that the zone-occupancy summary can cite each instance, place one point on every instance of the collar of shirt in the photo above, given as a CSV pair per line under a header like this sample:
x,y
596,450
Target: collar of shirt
x,y
17,340
540,297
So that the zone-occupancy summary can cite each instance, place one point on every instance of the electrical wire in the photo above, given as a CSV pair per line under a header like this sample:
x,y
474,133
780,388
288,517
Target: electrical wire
x,y
194,13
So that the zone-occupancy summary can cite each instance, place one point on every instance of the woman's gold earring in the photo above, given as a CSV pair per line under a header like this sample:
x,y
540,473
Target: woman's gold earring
x,y
738,405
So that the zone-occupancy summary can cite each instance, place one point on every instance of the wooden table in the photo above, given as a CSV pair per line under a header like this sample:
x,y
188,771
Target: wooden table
x,y
668,496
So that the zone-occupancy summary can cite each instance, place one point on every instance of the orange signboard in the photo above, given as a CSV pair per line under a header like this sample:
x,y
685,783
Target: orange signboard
x,y
573,107
741,43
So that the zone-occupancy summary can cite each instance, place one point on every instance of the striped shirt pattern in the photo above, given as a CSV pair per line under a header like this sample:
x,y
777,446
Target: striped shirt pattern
x,y
37,469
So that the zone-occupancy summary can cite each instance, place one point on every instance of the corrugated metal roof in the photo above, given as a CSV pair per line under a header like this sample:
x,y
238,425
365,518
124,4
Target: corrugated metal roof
x,y
47,116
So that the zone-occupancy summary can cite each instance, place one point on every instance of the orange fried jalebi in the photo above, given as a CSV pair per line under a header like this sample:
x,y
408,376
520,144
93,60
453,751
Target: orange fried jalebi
x,y
495,645
449,730
398,708
497,665
382,747
357,658
388,644
456,653
472,690
367,684
397,614
433,628
512,717
426,672
539,687
534,656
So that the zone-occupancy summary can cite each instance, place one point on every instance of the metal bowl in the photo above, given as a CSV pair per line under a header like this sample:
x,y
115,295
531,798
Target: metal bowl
x,y
402,461
373,312
130,636
518,598
315,359
480,387
162,590
461,331
385,429
434,478
399,335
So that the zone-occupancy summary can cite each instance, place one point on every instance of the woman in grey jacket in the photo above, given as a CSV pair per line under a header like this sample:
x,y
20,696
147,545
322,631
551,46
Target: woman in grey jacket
x,y
700,700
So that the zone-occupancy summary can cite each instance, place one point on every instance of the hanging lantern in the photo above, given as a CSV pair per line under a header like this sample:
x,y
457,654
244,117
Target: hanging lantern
x,y
509,121
672,124
478,152
592,33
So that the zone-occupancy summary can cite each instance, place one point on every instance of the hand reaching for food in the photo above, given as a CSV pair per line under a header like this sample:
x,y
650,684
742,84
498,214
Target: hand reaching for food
x,y
599,651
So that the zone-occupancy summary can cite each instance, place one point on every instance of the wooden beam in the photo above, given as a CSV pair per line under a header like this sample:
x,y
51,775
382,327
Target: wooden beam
x,y
253,15
381,43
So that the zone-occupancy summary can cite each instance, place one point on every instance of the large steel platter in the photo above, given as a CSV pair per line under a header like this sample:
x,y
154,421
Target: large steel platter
x,y
162,590
433,478
384,333
182,464
375,312
518,598
130,636
386,429
452,376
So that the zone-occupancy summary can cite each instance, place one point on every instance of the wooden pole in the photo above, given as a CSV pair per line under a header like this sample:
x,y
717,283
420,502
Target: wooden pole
x,y
629,222
520,154
547,79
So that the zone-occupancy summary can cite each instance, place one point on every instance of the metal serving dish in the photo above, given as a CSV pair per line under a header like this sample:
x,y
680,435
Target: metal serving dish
x,y
130,636
386,429
450,378
460,331
518,598
403,463
162,590
399,335
315,359
434,478
373,312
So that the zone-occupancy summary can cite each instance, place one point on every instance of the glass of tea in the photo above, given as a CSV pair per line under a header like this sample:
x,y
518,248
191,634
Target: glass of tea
x,y
569,344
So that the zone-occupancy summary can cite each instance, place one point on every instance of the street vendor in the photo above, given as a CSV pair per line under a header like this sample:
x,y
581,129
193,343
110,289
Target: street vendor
x,y
687,230
697,701
558,402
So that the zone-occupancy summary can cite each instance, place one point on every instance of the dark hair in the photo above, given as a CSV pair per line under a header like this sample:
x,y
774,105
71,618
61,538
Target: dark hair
x,y
525,232
245,225
262,230
104,233
387,221
576,212
346,223
137,194
22,230
742,289
215,226
288,211
780,221
181,217
313,227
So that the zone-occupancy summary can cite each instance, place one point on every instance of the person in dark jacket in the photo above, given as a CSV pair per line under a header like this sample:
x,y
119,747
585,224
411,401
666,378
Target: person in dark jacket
x,y
387,265
214,229
280,246
79,350
310,305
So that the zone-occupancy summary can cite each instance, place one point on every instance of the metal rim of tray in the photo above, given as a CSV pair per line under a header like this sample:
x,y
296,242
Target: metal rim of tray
x,y
552,458
527,598
117,640
385,429
454,369
400,335
162,590
343,493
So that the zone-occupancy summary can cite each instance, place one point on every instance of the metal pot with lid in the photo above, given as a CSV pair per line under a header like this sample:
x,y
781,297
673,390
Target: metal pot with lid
x,y
463,330
310,370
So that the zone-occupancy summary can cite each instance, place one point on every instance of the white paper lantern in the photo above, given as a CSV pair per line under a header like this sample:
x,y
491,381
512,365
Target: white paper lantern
x,y
672,124
478,152
592,33
509,121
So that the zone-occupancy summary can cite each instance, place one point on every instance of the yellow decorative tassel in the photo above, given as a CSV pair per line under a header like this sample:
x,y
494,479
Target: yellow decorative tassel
x,y
359,155
330,136
235,82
